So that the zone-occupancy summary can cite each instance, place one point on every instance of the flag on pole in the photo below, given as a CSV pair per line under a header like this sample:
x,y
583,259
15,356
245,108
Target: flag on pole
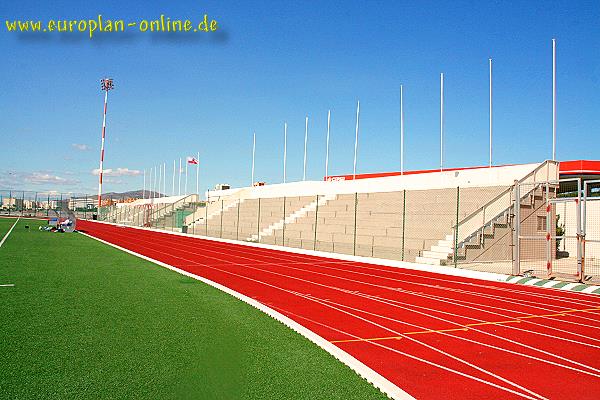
x,y
192,160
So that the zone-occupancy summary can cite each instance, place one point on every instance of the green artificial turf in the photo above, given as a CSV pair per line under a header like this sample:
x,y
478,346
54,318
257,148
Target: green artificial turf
x,y
5,224
85,320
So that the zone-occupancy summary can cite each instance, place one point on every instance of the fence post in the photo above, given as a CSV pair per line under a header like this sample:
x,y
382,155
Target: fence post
x,y
10,200
580,234
403,221
47,207
35,205
221,228
23,203
316,220
206,217
258,223
284,216
355,207
516,268
456,227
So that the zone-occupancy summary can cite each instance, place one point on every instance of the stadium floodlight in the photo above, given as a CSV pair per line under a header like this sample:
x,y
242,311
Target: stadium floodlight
x,y
106,84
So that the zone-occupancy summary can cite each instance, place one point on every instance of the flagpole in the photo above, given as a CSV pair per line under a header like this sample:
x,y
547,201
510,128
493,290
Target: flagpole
x,y
553,99
253,153
164,179
356,138
173,189
144,189
401,130
305,142
179,189
155,173
186,175
284,149
198,174
442,121
150,184
490,62
327,151
159,179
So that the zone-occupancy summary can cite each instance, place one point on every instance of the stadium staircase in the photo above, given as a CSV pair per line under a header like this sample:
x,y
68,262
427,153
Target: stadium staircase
x,y
484,235
273,228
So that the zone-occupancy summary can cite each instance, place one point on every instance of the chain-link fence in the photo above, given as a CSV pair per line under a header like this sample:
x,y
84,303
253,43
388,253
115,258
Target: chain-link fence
x,y
591,228
44,204
536,226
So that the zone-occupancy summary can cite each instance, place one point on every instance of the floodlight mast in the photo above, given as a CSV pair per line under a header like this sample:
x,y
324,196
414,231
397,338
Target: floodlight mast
x,y
106,84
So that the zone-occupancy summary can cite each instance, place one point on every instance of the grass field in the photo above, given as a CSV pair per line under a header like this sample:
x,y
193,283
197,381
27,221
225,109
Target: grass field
x,y
85,320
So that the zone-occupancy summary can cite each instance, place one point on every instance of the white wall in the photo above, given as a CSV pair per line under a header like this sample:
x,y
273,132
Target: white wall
x,y
496,176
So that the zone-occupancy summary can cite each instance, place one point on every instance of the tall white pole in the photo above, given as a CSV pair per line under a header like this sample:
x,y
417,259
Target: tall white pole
x,y
356,138
144,189
442,121
155,182
305,142
327,151
186,176
553,99
150,184
401,130
164,179
159,180
490,62
179,185
284,149
173,188
198,175
253,152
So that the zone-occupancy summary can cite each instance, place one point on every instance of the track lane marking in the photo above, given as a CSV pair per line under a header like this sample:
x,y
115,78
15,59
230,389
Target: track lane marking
x,y
516,320
171,245
133,241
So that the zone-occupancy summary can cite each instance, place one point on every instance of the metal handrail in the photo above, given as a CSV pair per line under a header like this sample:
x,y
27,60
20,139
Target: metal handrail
x,y
481,211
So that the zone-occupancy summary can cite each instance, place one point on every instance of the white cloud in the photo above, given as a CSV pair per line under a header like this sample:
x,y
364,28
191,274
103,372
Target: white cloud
x,y
81,147
117,172
15,179
40,178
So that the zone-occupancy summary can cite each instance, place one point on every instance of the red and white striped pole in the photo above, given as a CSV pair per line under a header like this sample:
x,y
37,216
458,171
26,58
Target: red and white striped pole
x,y
106,84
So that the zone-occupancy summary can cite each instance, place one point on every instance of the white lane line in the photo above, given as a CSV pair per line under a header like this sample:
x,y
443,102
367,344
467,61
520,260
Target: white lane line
x,y
129,240
8,285
289,291
445,300
361,369
9,231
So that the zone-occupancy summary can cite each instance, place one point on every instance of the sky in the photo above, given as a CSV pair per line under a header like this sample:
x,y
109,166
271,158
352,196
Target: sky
x,y
272,62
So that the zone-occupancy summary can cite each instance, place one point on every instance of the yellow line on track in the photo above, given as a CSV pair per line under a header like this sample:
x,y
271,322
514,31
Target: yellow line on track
x,y
466,327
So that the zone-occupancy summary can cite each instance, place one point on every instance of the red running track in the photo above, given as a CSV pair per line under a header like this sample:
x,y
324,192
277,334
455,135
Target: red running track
x,y
435,336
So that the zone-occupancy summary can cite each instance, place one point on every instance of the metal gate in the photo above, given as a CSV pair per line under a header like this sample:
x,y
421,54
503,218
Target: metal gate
x,y
548,229
590,221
